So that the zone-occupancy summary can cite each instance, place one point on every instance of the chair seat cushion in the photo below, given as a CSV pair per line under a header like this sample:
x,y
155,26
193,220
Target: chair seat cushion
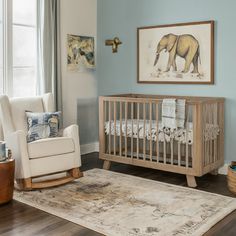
x,y
50,147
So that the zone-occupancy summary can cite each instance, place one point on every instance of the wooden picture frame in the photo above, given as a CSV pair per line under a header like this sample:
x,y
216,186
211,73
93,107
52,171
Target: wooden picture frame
x,y
188,56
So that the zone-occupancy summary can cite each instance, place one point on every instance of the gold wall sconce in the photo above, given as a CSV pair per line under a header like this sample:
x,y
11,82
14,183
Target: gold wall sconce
x,y
114,43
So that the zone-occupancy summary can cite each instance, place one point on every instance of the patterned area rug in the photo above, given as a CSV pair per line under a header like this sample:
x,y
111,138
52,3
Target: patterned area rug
x,y
117,204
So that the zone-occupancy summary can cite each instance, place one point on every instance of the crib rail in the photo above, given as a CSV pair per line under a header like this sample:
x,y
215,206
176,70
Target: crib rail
x,y
144,115
130,132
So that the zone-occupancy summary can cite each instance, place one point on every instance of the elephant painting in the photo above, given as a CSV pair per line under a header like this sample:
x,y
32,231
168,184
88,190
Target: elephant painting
x,y
185,46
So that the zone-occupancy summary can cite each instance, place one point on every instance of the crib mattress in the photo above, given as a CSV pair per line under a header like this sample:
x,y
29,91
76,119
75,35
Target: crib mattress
x,y
148,130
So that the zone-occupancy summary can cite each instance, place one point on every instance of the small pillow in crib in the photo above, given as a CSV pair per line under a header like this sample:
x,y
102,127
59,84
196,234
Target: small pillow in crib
x,y
42,125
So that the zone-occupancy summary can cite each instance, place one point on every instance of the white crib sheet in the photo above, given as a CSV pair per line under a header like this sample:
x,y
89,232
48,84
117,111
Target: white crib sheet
x,y
143,128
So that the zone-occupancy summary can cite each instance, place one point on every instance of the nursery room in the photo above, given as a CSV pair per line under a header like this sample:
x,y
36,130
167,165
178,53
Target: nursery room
x,y
117,118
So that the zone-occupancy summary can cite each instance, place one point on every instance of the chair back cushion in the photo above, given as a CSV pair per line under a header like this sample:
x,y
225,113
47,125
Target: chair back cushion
x,y
6,122
20,105
12,111
1,131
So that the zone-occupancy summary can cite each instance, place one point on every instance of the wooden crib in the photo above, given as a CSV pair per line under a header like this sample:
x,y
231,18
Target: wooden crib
x,y
131,132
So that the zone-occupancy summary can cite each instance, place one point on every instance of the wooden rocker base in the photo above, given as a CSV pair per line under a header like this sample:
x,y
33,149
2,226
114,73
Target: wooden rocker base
x,y
28,184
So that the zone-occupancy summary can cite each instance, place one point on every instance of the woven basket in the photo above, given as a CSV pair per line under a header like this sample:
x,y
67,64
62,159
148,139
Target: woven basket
x,y
232,178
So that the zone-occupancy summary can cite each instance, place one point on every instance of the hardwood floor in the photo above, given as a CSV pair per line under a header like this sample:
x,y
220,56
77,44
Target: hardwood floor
x,y
18,219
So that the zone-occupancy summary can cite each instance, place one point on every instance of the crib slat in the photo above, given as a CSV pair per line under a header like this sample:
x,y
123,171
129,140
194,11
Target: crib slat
x,y
186,155
208,142
179,153
137,130
186,140
126,113
150,129
144,131
105,111
132,130
215,123
204,125
215,149
164,151
172,151
114,144
109,143
105,119
211,141
121,104
157,131
221,136
102,120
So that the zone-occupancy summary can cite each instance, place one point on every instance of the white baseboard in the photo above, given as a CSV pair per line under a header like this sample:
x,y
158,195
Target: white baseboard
x,y
88,148
224,169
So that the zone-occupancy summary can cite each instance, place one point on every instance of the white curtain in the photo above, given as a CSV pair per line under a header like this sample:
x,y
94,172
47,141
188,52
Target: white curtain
x,y
49,74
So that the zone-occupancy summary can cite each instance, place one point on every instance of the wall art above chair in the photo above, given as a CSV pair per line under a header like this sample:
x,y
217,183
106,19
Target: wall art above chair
x,y
80,52
177,53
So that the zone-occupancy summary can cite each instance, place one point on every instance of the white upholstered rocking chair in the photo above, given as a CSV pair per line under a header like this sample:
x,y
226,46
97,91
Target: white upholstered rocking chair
x,y
40,158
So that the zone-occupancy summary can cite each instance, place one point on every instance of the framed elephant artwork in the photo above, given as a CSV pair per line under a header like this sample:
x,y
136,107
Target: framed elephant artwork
x,y
177,53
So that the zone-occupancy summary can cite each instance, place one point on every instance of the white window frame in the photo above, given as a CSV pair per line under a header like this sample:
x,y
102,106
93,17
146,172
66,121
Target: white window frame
x,y
8,47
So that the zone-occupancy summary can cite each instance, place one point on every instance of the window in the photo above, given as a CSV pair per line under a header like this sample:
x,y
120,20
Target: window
x,y
21,35
1,46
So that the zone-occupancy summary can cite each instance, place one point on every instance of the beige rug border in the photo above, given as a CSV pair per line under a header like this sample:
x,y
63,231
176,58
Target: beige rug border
x,y
203,229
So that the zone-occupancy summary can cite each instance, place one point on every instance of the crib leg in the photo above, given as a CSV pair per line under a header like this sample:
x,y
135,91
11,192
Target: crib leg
x,y
106,165
191,181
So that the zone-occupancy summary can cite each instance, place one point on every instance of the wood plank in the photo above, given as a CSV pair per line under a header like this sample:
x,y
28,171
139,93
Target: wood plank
x,y
20,219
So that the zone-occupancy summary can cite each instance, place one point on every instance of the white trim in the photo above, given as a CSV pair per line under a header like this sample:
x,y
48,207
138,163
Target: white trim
x,y
8,67
224,169
8,47
88,148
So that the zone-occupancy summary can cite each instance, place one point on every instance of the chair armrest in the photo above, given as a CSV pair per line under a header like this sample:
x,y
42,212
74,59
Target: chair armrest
x,y
72,131
16,141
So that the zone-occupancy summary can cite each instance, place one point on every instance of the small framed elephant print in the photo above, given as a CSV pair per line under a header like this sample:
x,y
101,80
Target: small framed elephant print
x,y
176,53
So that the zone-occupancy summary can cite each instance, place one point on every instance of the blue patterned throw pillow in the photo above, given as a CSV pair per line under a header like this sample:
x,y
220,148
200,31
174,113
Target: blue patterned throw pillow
x,y
42,125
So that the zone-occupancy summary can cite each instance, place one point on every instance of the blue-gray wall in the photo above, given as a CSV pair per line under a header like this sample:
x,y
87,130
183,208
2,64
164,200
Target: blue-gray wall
x,y
87,117
116,73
